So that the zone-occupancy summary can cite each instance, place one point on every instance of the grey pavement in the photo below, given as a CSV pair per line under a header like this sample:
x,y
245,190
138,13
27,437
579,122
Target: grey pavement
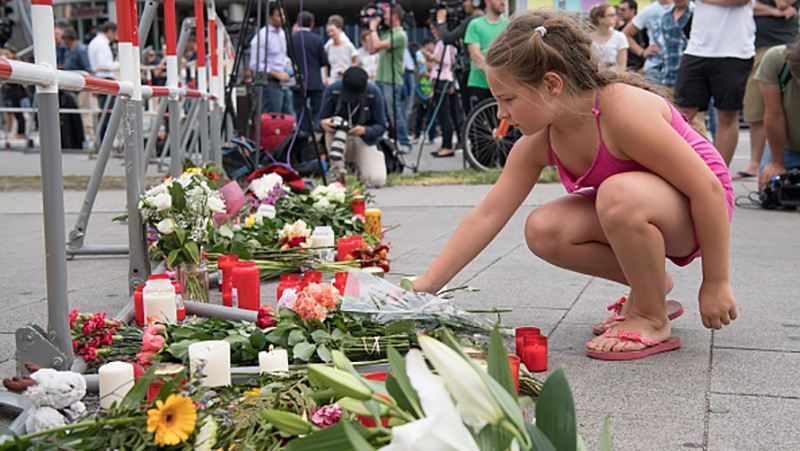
x,y
736,389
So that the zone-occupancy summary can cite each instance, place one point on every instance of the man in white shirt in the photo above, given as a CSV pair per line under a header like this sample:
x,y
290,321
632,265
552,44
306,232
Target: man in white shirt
x,y
716,63
268,54
102,61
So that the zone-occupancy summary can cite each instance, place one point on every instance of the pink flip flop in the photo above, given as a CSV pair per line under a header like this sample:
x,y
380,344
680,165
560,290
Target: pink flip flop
x,y
674,310
653,346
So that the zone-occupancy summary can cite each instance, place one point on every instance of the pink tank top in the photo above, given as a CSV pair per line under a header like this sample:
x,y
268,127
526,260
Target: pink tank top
x,y
605,165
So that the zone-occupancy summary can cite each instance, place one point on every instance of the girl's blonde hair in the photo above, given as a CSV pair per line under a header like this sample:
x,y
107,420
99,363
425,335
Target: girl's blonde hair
x,y
537,42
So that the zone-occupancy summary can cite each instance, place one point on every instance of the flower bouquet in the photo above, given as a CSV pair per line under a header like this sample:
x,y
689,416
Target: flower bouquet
x,y
180,210
97,339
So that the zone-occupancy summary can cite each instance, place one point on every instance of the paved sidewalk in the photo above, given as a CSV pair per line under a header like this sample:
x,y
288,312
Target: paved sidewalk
x,y
736,389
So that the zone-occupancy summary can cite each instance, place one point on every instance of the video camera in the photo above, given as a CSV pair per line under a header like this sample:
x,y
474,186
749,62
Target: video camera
x,y
455,11
372,11
782,192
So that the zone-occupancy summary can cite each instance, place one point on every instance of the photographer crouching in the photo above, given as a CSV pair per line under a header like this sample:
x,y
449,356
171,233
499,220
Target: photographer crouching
x,y
354,119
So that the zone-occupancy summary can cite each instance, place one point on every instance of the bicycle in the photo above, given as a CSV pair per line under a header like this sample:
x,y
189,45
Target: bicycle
x,y
487,139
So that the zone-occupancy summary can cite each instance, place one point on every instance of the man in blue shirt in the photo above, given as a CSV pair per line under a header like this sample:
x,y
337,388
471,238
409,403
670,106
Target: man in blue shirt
x,y
311,52
358,103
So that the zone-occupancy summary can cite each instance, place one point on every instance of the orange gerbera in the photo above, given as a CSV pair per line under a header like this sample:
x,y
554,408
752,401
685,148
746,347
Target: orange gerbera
x,y
172,421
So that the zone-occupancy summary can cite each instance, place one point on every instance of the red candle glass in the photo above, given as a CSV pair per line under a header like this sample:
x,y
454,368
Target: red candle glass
x,y
180,306
287,281
340,281
311,277
226,264
227,297
247,285
370,421
513,364
138,305
535,353
346,246
359,205
520,333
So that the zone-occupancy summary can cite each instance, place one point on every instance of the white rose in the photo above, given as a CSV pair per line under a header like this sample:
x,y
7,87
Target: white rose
x,y
322,203
337,194
265,211
161,202
259,188
216,204
273,179
166,226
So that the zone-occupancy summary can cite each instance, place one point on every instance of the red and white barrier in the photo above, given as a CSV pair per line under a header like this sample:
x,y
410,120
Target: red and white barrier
x,y
200,30
170,33
12,71
44,54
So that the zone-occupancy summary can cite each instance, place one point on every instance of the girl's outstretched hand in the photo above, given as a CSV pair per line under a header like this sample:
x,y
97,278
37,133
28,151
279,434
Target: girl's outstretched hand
x,y
717,305
423,285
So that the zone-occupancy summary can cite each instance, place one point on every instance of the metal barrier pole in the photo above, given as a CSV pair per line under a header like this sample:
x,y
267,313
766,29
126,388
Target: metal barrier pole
x,y
139,265
98,140
78,233
213,38
202,78
172,82
52,189
189,131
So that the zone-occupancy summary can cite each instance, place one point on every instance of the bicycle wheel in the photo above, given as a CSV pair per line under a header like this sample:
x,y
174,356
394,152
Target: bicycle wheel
x,y
485,146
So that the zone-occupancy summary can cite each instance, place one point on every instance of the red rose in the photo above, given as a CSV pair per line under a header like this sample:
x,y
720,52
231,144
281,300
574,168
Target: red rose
x,y
73,316
75,345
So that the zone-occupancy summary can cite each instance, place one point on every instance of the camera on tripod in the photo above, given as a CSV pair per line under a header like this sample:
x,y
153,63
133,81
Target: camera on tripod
x,y
455,11
372,11
339,142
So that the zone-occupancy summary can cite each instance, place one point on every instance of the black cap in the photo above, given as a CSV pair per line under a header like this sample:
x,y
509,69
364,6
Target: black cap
x,y
354,83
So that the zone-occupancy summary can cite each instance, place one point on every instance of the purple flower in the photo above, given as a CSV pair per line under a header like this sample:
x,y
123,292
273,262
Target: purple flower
x,y
326,416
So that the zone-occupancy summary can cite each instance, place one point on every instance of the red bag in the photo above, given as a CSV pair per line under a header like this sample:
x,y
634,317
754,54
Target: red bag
x,y
274,128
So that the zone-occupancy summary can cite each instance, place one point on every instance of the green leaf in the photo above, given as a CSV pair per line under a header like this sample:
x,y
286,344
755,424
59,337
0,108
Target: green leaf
x,y
555,412
332,438
719,410
320,335
407,284
303,351
258,340
181,235
498,362
178,196
136,395
605,435
338,334
324,353
357,441
296,336
540,441
341,362
399,376
193,251
172,257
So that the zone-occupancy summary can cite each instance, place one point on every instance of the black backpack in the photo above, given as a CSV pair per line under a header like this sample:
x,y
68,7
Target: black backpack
x,y
302,156
238,158
394,161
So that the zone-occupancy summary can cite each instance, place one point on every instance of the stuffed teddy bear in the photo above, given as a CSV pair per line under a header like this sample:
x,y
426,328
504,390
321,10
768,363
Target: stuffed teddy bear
x,y
55,396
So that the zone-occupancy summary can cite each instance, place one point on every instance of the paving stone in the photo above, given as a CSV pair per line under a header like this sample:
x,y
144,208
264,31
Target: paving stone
x,y
647,431
769,373
753,422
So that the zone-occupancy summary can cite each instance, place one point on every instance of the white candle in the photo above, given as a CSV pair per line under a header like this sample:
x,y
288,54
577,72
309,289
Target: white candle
x,y
214,357
273,361
116,380
323,237
158,299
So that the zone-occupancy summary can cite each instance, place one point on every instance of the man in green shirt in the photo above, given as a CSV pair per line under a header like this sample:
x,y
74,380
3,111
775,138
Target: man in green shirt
x,y
389,76
778,77
480,34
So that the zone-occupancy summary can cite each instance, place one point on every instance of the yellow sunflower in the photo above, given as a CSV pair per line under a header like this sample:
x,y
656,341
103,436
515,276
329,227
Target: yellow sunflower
x,y
172,421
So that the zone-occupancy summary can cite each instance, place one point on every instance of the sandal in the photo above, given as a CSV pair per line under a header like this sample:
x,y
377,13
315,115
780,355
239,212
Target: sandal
x,y
446,154
674,310
653,346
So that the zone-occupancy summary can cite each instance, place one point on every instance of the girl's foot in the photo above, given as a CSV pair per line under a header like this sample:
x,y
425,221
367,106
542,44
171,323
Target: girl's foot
x,y
626,306
647,332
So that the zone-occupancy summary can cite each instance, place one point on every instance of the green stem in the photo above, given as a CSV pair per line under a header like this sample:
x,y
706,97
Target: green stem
x,y
393,408
70,427
522,438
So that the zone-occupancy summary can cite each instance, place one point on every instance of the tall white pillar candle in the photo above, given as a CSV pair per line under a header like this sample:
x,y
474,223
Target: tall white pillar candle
x,y
213,357
116,380
158,299
273,361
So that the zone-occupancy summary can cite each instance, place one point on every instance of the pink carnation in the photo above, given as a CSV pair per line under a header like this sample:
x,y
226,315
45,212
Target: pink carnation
x,y
307,308
326,416
152,342
145,358
73,316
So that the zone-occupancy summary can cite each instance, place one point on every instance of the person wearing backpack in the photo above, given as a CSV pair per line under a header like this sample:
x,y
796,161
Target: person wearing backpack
x,y
354,120
778,78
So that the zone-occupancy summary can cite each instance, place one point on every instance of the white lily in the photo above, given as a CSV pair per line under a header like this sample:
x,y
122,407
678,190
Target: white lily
x,y
478,406
265,211
441,429
216,204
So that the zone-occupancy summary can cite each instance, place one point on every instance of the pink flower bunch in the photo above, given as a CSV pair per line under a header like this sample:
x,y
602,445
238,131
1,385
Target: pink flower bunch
x,y
152,342
90,333
315,301
265,318
326,416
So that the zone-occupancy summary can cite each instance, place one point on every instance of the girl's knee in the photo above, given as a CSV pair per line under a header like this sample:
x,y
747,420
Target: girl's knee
x,y
617,201
543,232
